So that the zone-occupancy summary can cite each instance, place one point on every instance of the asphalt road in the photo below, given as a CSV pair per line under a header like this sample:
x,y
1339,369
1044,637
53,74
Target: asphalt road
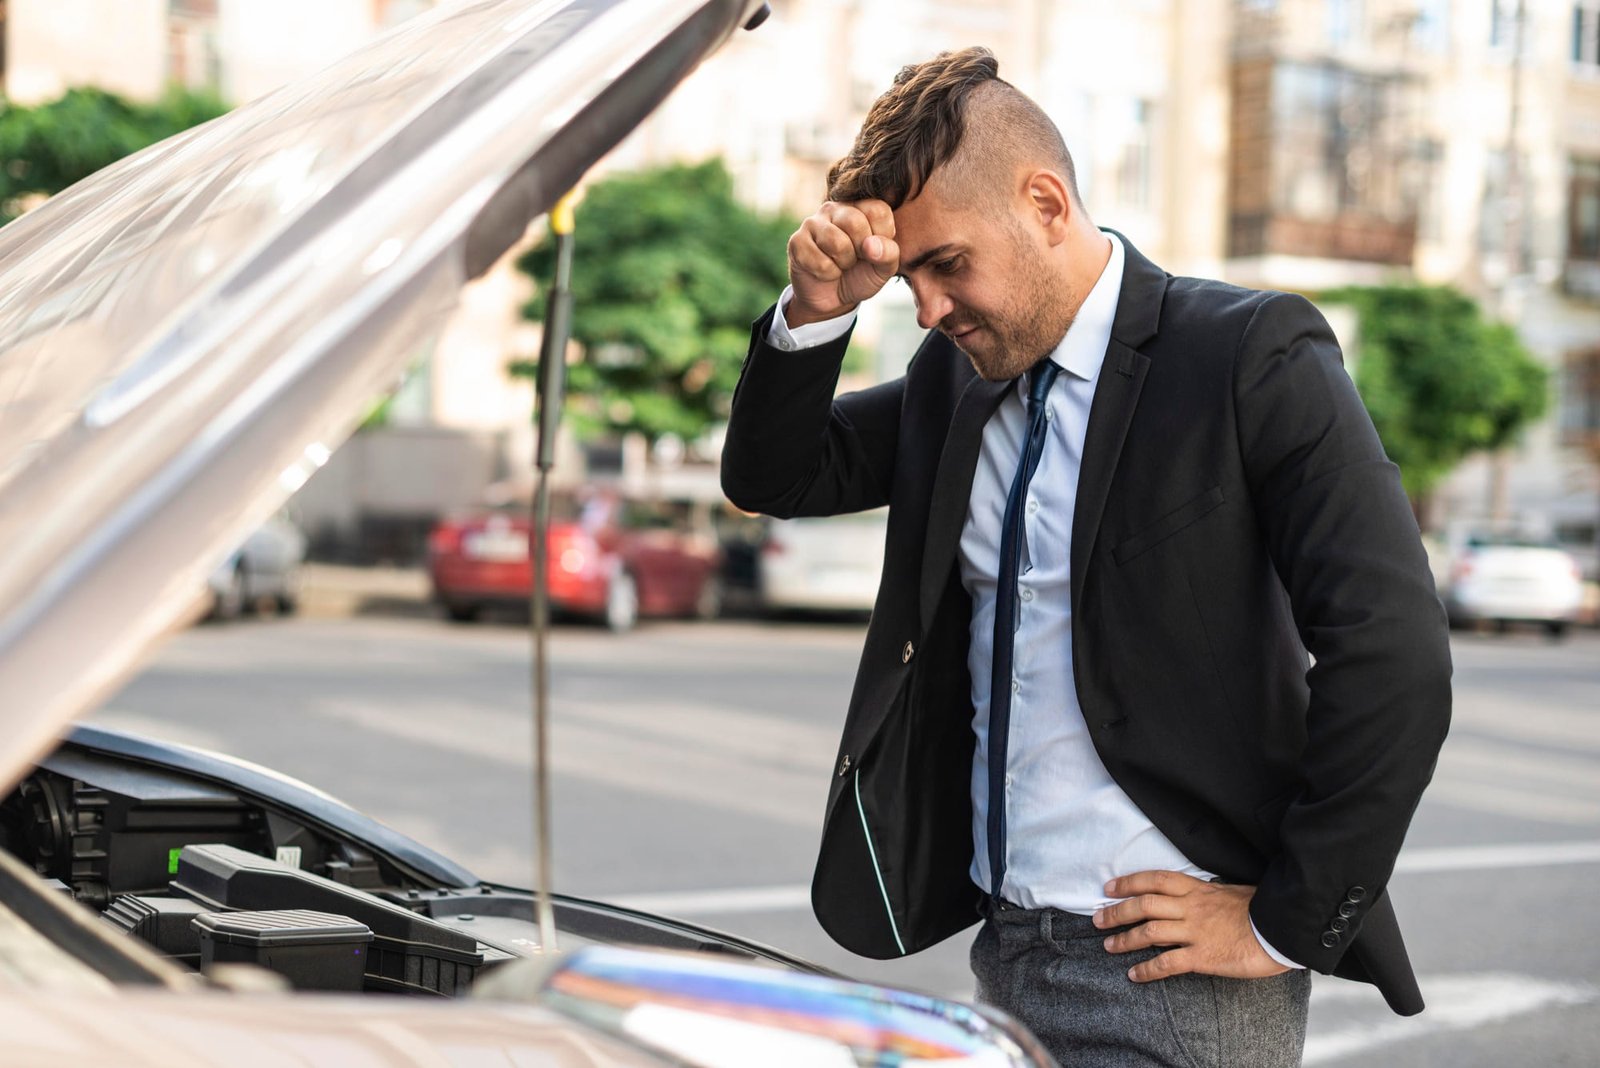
x,y
692,761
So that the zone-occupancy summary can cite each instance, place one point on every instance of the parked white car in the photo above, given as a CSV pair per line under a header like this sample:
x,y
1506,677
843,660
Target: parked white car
x,y
828,563
1511,578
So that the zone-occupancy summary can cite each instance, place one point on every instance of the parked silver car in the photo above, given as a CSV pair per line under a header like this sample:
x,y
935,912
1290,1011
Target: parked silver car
x,y
265,570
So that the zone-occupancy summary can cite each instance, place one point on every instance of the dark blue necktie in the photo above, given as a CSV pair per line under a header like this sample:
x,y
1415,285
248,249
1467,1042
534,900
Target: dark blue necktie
x,y
1005,617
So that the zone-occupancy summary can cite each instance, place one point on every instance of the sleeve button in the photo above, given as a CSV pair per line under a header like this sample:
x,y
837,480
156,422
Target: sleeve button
x,y
1355,893
907,653
1339,926
1330,939
1348,909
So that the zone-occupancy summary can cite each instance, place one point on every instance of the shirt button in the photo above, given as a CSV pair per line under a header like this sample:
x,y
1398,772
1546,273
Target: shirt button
x,y
1033,506
784,343
1015,685
1027,595
1049,414
1008,782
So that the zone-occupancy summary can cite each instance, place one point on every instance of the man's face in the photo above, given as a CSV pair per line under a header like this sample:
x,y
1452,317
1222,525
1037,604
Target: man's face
x,y
981,276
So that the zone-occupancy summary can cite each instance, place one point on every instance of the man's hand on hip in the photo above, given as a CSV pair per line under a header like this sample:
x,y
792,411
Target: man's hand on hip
x,y
1207,923
842,255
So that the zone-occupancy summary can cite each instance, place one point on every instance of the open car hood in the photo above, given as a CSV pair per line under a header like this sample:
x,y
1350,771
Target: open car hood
x,y
186,335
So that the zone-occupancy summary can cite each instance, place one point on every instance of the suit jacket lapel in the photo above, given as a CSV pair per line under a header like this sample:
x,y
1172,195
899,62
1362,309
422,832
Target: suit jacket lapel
x,y
1116,396
952,488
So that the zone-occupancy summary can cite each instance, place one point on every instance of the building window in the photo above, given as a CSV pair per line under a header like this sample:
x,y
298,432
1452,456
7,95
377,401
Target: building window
x,y
1341,143
1586,34
1583,211
193,60
1344,18
1134,155
1430,27
1502,23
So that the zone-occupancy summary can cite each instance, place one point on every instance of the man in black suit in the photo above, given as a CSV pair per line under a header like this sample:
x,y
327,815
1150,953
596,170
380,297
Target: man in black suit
x,y
1123,507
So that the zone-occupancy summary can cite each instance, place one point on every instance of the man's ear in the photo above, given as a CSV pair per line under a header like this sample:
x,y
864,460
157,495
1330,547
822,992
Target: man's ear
x,y
1051,203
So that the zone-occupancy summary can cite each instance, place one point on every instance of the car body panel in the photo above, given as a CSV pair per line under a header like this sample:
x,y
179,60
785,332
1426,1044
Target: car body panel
x,y
828,563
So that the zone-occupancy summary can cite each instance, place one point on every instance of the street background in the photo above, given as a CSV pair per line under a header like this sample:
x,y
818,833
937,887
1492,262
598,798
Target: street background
x,y
692,761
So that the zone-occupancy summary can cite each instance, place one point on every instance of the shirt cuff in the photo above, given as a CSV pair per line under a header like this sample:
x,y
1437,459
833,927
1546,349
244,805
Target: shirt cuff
x,y
1274,954
780,336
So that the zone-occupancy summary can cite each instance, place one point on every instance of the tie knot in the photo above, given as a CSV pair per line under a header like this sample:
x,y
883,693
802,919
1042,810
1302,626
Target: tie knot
x,y
1043,376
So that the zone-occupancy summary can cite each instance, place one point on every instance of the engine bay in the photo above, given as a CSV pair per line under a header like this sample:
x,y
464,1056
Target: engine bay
x,y
167,845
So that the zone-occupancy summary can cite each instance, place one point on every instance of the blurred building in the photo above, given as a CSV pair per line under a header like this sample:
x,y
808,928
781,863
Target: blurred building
x,y
1295,144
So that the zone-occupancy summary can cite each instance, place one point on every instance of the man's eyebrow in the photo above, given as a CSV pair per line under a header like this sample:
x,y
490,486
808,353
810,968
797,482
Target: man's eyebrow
x,y
931,254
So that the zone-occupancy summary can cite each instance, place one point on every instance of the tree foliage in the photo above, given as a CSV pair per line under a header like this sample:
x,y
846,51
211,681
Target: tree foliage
x,y
1440,381
46,148
668,271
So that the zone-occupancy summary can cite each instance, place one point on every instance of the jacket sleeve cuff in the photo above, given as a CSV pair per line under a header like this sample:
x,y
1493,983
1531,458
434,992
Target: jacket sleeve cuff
x,y
781,336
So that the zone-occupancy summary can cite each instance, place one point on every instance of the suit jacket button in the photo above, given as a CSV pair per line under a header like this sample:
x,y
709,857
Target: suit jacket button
x,y
1330,939
1348,909
1355,894
844,765
907,653
1339,925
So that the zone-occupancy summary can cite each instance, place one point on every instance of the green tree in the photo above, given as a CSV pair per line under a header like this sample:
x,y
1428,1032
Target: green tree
x,y
1439,380
668,271
45,149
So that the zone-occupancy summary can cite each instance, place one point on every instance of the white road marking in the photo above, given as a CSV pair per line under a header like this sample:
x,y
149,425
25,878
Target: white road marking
x,y
722,902
1447,789
1478,858
735,900
1455,1003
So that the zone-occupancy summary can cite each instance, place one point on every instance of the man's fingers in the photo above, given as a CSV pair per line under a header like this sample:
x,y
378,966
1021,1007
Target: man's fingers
x,y
806,258
1152,882
1154,933
884,255
1165,966
1138,909
850,219
833,242
878,215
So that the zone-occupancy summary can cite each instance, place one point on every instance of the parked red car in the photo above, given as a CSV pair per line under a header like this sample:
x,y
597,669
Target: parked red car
x,y
612,558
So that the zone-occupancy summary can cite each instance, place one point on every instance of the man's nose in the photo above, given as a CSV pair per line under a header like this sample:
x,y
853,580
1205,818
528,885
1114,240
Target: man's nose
x,y
932,306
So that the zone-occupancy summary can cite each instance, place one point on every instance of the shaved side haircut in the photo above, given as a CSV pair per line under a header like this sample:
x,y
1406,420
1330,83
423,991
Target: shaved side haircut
x,y
952,112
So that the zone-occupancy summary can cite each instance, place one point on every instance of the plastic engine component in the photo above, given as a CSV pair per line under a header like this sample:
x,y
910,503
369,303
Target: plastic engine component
x,y
408,952
163,922
313,950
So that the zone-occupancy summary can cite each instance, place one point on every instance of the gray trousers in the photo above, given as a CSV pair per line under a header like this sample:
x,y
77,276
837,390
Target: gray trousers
x,y
1049,969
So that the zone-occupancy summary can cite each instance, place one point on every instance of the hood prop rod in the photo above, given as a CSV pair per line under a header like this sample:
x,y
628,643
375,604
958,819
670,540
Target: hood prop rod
x,y
551,380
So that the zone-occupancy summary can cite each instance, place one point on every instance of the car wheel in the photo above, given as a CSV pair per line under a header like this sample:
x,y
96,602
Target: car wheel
x,y
622,603
461,613
709,604
1556,628
286,604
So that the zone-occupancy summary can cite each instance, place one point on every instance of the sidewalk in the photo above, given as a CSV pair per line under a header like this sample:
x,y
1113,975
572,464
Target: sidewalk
x,y
335,591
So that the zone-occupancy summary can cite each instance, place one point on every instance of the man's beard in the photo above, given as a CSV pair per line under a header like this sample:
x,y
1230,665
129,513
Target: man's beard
x,y
1027,332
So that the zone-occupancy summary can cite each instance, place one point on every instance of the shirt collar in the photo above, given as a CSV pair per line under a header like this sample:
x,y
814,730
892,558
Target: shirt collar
x,y
1083,349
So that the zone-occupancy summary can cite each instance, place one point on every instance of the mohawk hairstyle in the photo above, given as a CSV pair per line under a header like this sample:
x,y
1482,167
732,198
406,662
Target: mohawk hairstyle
x,y
912,129
921,125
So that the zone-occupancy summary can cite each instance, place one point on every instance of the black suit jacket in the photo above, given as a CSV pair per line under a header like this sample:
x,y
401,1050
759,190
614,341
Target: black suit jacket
x,y
1234,510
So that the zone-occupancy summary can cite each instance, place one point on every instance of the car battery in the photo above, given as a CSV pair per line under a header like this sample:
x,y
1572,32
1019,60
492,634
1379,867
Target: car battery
x,y
312,950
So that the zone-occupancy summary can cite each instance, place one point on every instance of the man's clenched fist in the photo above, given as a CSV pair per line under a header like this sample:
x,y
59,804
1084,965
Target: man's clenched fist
x,y
839,257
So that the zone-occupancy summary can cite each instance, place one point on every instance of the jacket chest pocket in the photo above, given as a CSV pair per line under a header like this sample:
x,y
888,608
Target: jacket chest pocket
x,y
1168,525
